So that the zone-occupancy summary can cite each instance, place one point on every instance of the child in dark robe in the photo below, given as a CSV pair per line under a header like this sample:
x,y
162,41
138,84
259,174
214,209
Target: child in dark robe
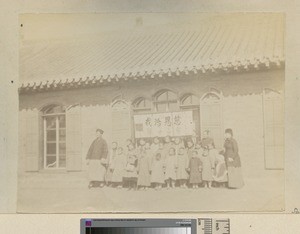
x,y
182,165
190,148
195,168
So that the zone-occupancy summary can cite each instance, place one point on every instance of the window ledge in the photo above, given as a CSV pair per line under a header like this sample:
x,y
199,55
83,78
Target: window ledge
x,y
53,171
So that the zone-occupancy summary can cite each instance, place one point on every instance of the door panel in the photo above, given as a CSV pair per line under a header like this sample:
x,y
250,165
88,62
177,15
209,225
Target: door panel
x,y
121,122
31,140
73,139
274,129
211,118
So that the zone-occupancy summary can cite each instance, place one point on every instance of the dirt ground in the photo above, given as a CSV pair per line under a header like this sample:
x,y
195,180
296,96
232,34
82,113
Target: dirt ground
x,y
68,193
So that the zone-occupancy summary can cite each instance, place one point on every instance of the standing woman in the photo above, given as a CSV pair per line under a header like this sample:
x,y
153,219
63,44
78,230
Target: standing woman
x,y
233,162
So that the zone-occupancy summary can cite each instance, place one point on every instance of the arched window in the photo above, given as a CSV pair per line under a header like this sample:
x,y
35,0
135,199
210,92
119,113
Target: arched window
x,y
166,101
141,105
188,100
211,98
54,122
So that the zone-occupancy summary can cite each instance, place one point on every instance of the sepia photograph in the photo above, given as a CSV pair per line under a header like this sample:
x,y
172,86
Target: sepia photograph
x,y
151,112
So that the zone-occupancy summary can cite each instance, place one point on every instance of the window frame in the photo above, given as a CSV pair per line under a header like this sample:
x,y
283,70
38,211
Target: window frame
x,y
167,101
57,140
189,106
145,109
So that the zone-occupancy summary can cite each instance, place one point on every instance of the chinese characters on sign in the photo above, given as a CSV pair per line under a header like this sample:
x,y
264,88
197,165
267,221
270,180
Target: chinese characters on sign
x,y
164,124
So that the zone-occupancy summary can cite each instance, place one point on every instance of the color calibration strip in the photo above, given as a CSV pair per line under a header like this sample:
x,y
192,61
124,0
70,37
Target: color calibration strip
x,y
213,226
139,230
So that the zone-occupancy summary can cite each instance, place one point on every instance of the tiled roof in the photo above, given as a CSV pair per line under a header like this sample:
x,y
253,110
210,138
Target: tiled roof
x,y
233,42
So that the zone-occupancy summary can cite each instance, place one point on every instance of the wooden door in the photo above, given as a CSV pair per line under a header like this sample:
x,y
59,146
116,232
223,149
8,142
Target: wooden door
x,y
32,141
273,129
73,139
121,122
211,117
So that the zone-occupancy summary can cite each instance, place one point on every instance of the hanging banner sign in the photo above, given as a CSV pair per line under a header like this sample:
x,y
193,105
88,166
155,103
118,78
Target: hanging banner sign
x,y
142,125
164,124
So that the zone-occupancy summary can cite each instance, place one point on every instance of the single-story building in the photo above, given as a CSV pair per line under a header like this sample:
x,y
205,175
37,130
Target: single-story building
x,y
223,72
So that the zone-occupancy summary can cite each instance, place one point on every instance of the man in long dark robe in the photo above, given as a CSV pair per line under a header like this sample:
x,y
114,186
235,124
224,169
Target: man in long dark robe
x,y
97,160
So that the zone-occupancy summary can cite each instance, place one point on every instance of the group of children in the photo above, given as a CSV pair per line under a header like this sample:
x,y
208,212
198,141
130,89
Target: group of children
x,y
165,163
